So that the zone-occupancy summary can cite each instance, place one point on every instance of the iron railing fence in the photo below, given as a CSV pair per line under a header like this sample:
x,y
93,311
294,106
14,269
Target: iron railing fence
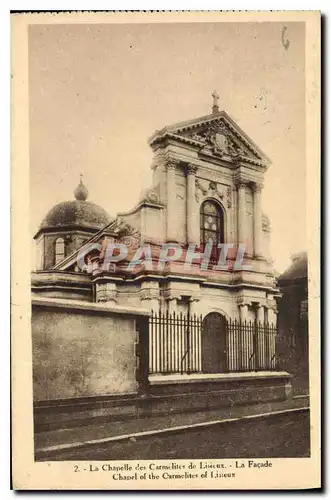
x,y
176,345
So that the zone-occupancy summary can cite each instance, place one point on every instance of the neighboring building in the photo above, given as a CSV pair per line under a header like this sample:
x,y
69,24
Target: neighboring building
x,y
292,343
207,182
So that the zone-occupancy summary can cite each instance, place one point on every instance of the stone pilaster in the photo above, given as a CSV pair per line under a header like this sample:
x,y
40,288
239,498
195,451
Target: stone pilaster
x,y
172,301
143,232
261,337
241,187
272,316
106,292
243,343
243,309
172,231
191,206
194,304
271,311
150,296
260,314
258,252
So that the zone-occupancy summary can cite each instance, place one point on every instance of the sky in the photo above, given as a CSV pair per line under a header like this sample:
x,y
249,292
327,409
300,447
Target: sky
x,y
98,92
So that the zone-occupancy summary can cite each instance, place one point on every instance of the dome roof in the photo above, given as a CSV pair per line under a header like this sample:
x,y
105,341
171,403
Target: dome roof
x,y
78,212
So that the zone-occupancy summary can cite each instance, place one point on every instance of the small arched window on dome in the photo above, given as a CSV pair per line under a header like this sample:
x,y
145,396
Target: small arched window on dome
x,y
59,250
211,227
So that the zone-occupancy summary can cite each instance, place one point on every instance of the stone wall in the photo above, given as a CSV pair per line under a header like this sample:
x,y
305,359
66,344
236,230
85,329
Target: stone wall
x,y
293,326
82,350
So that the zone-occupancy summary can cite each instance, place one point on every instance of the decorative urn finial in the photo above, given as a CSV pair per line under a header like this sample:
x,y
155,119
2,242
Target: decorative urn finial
x,y
81,192
215,97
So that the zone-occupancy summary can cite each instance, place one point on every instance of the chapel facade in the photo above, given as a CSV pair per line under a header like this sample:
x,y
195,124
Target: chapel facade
x,y
207,182
128,336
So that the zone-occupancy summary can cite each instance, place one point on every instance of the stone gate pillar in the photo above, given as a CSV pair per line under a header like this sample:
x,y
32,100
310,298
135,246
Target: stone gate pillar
x,y
142,350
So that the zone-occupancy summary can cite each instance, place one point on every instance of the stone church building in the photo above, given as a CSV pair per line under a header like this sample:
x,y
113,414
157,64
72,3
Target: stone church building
x,y
207,181
208,177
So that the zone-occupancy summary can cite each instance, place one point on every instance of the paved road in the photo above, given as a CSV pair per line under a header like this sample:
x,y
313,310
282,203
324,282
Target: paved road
x,y
284,435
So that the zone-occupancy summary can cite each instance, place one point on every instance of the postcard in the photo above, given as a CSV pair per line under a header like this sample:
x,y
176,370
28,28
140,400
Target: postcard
x,y
165,250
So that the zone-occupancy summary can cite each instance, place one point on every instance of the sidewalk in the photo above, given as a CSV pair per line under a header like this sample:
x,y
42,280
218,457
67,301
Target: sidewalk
x,y
51,441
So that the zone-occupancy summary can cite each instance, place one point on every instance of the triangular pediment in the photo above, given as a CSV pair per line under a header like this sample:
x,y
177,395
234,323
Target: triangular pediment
x,y
215,134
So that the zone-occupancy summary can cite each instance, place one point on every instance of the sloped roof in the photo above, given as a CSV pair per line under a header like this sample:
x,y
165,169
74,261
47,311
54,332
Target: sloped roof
x,y
297,270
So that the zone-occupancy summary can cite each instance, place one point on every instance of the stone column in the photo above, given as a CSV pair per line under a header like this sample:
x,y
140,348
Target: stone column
x,y
191,207
258,253
172,236
241,186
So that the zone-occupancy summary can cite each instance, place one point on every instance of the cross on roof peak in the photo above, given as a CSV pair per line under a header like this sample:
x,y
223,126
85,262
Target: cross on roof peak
x,y
215,97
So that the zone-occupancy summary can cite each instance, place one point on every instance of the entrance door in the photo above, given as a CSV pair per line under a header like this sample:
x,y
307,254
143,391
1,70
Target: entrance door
x,y
214,343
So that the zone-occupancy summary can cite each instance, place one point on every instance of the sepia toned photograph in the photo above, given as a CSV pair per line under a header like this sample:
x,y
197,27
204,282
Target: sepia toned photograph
x,y
169,251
